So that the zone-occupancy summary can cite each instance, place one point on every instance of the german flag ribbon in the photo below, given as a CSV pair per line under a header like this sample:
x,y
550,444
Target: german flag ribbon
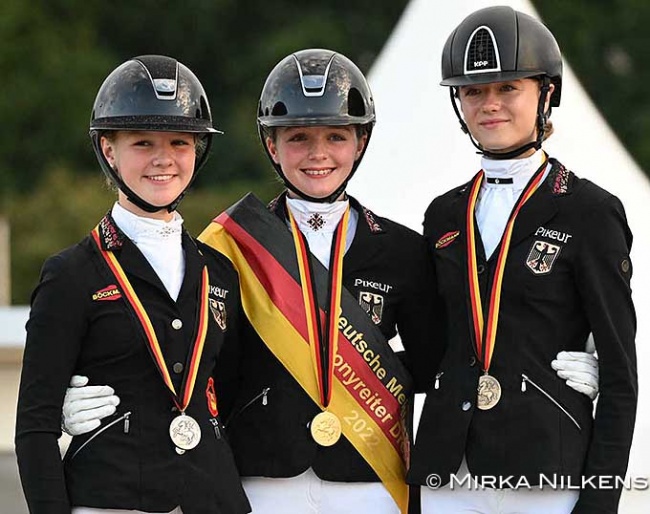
x,y
323,338
485,337
370,387
181,400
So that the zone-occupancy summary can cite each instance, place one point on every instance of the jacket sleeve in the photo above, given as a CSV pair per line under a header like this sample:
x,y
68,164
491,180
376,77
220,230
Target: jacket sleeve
x,y
54,332
603,278
420,320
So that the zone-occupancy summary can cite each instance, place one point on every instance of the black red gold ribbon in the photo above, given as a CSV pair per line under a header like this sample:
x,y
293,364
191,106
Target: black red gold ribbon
x,y
485,340
370,402
323,338
181,400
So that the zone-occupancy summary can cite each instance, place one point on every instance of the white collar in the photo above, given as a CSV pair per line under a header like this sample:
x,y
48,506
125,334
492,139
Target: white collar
x,y
519,170
138,228
317,217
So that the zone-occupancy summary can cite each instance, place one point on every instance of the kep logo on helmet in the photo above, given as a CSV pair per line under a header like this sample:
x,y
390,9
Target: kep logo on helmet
x,y
497,44
482,53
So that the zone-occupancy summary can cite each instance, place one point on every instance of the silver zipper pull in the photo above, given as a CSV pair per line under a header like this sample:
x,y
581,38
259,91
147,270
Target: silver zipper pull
x,y
127,422
436,385
265,392
523,383
215,424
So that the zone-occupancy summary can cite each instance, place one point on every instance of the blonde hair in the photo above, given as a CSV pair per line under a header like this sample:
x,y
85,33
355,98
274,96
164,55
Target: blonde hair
x,y
548,129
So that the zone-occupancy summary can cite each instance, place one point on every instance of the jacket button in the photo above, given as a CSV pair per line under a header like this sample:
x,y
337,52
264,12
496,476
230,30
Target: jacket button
x,y
174,409
177,367
480,269
466,406
625,265
177,324
472,361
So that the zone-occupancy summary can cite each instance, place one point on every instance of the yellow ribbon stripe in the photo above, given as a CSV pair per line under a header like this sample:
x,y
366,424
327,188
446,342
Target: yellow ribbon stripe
x,y
293,351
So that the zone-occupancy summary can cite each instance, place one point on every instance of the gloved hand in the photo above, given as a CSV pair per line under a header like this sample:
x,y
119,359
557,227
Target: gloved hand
x,y
84,406
580,370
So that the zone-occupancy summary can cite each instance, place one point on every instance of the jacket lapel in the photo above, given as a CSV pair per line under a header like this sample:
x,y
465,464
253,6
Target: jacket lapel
x,y
131,259
194,263
459,212
135,263
369,228
542,206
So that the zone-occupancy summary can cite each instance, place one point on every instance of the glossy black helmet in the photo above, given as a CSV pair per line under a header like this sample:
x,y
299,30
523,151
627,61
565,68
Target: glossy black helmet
x,y
151,93
315,87
497,44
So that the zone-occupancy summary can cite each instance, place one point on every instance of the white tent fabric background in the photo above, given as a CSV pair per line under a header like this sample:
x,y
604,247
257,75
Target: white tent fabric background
x,y
418,152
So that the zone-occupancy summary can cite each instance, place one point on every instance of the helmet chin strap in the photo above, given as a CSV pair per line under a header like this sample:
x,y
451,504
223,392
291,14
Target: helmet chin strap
x,y
114,177
331,198
536,144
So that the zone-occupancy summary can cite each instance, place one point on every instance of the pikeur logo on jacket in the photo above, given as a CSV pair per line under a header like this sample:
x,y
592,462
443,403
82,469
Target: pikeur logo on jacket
x,y
567,274
387,271
129,462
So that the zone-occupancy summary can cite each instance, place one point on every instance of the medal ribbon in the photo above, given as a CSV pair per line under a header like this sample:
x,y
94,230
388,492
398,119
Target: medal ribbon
x,y
262,250
485,340
323,338
189,380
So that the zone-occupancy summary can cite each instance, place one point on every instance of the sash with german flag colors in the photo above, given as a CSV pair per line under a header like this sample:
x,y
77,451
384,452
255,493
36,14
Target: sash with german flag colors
x,y
370,386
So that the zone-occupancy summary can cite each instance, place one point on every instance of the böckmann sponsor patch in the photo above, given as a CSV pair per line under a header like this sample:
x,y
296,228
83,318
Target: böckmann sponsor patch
x,y
109,293
447,239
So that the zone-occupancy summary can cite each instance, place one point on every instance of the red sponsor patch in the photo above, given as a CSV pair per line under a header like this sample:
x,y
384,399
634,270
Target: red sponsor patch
x,y
108,293
447,239
212,398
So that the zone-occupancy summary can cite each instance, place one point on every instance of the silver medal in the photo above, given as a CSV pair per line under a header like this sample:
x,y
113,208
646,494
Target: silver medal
x,y
185,432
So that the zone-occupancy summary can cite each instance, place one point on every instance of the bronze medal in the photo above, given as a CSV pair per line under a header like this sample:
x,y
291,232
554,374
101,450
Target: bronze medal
x,y
489,392
485,327
185,432
325,428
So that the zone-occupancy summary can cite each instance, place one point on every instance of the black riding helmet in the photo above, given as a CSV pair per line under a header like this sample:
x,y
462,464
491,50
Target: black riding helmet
x,y
151,93
315,87
498,44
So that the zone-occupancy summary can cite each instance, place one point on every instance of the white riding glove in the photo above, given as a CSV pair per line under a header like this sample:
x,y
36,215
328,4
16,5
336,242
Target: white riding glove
x,y
84,406
580,370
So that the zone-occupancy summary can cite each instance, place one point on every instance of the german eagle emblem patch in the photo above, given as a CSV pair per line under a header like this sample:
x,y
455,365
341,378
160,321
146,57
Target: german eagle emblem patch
x,y
541,257
218,310
373,304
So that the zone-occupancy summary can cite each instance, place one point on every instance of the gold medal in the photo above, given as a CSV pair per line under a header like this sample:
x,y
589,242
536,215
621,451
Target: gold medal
x,y
489,392
325,428
185,432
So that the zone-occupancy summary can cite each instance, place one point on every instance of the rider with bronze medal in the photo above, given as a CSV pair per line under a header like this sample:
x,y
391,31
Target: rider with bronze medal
x,y
533,264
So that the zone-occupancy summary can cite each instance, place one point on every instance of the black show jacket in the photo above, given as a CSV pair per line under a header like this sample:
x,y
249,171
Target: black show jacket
x,y
76,328
540,425
269,412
